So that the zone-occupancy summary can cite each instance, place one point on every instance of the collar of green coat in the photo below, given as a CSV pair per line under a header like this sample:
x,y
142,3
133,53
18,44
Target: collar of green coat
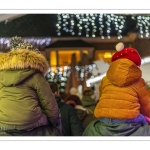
x,y
23,59
98,128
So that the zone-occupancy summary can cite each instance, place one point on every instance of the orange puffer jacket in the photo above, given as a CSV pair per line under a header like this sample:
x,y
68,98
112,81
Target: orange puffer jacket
x,y
123,92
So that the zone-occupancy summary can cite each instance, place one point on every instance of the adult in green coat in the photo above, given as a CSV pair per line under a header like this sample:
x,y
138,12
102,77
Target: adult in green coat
x,y
98,128
26,100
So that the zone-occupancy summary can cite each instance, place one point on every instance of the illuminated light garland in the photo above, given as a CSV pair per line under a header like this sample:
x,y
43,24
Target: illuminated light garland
x,y
61,74
91,24
39,43
87,23
143,23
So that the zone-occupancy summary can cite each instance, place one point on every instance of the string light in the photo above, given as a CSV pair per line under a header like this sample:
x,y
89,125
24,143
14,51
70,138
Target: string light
x,y
39,43
92,25
143,24
101,26
87,23
61,74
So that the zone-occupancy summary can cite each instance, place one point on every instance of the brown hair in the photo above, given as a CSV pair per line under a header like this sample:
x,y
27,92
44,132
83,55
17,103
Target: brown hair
x,y
74,98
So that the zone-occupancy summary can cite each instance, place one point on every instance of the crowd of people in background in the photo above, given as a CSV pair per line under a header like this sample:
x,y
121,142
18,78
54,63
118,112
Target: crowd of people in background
x,y
32,106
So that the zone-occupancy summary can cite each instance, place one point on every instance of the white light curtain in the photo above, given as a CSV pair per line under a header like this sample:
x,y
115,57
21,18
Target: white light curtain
x,y
38,42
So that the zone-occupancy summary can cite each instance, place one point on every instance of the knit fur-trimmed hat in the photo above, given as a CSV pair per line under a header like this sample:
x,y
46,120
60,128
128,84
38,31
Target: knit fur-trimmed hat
x,y
17,43
128,53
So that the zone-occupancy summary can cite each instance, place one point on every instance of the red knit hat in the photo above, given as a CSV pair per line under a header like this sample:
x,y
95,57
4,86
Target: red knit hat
x,y
129,53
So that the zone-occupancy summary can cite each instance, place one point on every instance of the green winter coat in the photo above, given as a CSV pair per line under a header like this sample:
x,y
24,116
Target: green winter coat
x,y
89,103
84,117
98,128
24,90
71,125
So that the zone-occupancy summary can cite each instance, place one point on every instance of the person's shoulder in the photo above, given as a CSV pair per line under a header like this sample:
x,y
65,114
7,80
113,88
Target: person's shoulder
x,y
37,74
68,106
65,108
64,105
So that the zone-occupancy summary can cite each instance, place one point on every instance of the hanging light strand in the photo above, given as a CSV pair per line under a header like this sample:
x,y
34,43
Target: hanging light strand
x,y
143,24
93,24
101,26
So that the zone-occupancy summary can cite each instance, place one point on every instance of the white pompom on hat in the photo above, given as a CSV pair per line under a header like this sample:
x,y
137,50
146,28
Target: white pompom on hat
x,y
128,53
119,46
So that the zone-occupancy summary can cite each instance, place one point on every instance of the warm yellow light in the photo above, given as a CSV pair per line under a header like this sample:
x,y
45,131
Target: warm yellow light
x,y
85,52
53,60
65,57
107,55
61,69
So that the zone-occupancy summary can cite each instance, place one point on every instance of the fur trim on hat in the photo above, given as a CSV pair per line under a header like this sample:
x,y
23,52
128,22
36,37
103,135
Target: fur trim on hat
x,y
23,59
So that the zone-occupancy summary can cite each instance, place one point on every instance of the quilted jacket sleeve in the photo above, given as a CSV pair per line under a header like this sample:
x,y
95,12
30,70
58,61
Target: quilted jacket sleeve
x,y
46,97
143,98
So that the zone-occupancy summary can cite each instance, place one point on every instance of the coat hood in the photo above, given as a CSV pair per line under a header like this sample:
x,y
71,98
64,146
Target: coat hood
x,y
17,65
123,72
23,59
88,101
82,114
14,77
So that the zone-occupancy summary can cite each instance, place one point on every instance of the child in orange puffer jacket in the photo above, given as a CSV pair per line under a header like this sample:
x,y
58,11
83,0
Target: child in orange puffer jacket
x,y
123,94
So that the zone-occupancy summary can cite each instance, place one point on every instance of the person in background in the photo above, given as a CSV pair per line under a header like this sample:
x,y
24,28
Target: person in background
x,y
84,114
76,91
26,100
71,125
124,104
88,100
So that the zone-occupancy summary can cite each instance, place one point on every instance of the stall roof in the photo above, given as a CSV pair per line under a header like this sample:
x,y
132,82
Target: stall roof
x,y
69,43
